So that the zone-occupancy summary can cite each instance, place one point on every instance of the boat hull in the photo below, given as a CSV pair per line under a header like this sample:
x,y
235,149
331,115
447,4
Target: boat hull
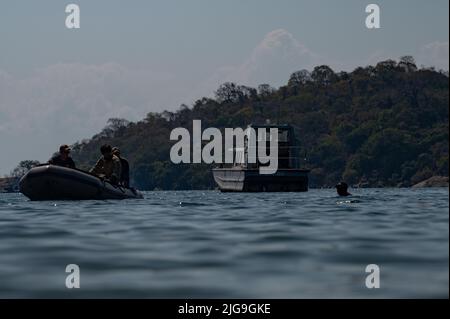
x,y
51,182
250,180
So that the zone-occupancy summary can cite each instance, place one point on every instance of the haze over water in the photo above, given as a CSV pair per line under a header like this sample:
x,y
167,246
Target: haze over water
x,y
215,245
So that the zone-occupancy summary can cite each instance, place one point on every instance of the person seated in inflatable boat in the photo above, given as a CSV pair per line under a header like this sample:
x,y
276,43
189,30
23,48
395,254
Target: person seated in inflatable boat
x,y
108,166
125,176
63,158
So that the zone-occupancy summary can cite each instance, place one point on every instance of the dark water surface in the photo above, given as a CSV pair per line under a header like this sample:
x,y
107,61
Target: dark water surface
x,y
209,244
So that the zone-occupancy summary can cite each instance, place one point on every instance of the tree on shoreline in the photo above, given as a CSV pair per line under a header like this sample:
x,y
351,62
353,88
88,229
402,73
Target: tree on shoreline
x,y
382,125
23,167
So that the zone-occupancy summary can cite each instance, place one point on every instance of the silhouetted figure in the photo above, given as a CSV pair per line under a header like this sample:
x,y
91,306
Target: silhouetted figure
x,y
342,188
125,176
63,158
108,166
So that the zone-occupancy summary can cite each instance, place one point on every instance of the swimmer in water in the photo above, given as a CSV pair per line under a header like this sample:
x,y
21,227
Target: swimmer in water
x,y
341,189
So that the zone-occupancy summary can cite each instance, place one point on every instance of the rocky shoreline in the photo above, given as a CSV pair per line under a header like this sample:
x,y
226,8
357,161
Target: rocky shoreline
x,y
435,181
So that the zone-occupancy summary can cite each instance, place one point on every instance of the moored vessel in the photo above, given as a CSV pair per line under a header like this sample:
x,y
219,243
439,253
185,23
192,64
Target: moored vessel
x,y
243,176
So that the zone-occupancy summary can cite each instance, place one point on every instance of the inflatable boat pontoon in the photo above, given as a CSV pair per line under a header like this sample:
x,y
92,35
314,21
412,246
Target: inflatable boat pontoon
x,y
49,182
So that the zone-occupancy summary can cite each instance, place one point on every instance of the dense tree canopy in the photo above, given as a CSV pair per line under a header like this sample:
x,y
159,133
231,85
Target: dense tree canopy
x,y
383,125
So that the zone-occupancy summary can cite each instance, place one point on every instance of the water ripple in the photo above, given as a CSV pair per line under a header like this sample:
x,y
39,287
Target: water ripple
x,y
210,244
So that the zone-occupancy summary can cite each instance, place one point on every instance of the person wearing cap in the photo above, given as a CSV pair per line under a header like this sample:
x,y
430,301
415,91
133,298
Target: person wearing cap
x,y
63,158
342,188
108,166
125,176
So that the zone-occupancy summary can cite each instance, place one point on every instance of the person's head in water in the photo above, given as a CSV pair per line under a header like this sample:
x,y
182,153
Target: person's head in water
x,y
64,150
106,151
342,189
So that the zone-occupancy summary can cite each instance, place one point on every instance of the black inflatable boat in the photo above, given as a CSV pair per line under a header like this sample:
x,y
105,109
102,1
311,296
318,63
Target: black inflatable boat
x,y
49,182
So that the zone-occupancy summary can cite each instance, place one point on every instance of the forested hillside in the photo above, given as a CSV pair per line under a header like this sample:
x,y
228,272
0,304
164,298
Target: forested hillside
x,y
383,125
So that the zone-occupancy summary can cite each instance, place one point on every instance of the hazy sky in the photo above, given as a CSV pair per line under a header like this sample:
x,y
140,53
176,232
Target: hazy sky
x,y
132,57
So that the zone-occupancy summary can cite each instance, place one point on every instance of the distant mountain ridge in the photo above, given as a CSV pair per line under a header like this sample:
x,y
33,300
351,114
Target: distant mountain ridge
x,y
383,125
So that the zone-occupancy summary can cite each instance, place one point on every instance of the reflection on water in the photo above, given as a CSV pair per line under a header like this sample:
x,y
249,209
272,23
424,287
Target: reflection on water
x,y
209,244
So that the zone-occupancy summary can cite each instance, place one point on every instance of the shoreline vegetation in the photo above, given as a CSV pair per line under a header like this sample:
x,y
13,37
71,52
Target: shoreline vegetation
x,y
378,126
